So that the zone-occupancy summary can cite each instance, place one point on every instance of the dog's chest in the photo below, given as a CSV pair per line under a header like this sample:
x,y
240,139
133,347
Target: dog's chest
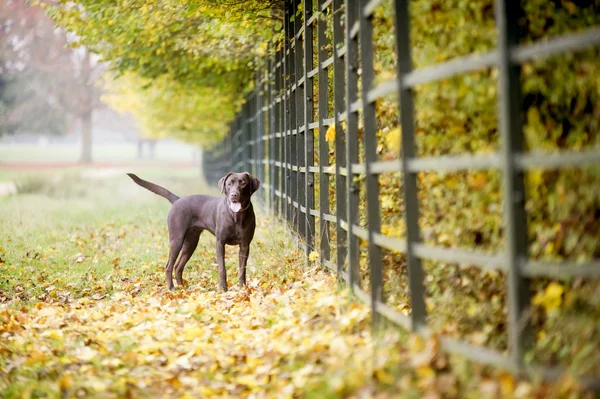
x,y
234,234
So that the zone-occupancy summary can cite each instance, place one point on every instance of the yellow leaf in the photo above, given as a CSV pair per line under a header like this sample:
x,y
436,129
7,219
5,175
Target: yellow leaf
x,y
550,298
507,383
262,49
54,334
313,256
571,7
384,377
191,332
392,139
65,382
478,180
425,372
417,344
536,177
555,290
330,134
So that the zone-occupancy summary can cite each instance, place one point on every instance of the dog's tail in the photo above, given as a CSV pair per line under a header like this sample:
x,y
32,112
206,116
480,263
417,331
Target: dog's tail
x,y
155,188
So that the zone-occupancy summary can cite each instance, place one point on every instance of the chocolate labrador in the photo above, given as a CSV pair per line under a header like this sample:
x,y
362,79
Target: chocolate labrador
x,y
230,219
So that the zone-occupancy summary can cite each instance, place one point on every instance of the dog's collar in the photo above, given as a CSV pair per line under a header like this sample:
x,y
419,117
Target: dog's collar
x,y
247,206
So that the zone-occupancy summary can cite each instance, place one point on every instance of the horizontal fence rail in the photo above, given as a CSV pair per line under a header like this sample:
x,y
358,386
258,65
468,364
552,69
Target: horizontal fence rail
x,y
275,134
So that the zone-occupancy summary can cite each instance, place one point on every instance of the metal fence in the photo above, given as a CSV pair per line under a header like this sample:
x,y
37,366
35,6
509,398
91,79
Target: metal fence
x,y
274,136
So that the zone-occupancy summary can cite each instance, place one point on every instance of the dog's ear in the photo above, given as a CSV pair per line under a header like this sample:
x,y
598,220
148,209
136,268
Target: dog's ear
x,y
254,181
222,182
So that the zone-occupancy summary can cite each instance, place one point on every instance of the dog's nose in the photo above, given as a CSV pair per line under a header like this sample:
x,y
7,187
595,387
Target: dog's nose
x,y
235,196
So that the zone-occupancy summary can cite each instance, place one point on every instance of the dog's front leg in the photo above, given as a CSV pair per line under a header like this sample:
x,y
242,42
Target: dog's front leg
x,y
221,262
244,253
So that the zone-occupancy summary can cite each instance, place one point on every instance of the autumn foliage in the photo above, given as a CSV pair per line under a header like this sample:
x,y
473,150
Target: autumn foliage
x,y
185,66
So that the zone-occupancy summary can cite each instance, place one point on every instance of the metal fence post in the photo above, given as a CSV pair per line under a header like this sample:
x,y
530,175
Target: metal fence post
x,y
323,145
271,129
370,147
309,137
279,131
411,200
341,198
513,189
287,107
300,133
352,140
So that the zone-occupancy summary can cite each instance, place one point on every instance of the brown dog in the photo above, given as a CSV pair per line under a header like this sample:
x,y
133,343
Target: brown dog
x,y
230,219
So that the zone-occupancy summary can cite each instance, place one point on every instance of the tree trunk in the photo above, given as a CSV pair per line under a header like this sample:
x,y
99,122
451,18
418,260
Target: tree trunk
x,y
152,144
86,111
140,147
86,137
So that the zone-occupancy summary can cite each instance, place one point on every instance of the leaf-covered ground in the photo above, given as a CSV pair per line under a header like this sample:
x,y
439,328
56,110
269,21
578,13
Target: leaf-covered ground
x,y
84,312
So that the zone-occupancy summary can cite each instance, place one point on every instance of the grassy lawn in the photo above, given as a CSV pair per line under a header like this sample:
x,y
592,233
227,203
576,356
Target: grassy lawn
x,y
84,311
126,152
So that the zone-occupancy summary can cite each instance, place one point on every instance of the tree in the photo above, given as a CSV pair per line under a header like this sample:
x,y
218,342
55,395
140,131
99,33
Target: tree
x,y
183,64
43,76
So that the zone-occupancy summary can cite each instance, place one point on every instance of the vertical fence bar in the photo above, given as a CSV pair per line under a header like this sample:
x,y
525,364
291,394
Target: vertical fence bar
x,y
513,189
257,128
293,118
300,136
254,124
232,147
352,140
260,130
234,151
411,200
257,136
271,129
286,111
340,148
264,140
292,123
249,133
370,146
279,129
252,141
323,145
238,139
309,137
244,135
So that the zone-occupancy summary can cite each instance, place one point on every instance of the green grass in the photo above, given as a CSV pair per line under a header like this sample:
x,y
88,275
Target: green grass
x,y
76,228
126,152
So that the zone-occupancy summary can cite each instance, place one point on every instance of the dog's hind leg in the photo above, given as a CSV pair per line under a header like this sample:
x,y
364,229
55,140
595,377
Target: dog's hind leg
x,y
175,244
189,246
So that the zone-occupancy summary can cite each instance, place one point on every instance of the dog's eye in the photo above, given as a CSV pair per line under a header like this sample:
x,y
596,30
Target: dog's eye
x,y
229,183
242,183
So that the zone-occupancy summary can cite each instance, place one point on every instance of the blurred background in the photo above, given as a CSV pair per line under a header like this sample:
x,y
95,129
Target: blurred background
x,y
53,110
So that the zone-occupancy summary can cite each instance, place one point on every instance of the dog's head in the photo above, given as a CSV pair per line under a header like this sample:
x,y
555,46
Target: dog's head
x,y
238,188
